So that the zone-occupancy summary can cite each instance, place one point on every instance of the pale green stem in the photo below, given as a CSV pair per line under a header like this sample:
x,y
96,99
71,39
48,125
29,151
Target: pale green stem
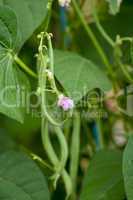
x,y
128,39
63,146
64,174
68,183
41,161
93,38
67,127
122,66
74,152
47,144
125,72
48,16
24,66
101,138
37,158
102,31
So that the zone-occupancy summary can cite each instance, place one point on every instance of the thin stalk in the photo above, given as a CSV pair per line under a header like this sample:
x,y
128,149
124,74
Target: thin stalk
x,y
101,139
93,38
37,158
41,161
63,146
75,148
68,183
48,16
47,144
127,39
24,66
125,72
67,127
102,31
119,62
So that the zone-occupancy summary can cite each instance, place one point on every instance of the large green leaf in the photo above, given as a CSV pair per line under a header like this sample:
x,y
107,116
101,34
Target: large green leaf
x,y
6,142
8,27
128,169
12,83
79,75
104,179
20,178
30,14
12,80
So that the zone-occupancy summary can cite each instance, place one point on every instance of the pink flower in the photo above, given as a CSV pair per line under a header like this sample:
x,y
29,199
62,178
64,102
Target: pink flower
x,y
65,103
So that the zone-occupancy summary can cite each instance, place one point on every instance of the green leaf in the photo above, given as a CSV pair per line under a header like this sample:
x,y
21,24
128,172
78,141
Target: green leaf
x,y
8,27
30,14
20,178
79,75
12,83
6,142
27,131
128,168
114,6
12,80
104,179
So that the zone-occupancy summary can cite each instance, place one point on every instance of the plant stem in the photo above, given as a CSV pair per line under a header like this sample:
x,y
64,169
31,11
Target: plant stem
x,y
101,139
24,66
93,38
68,183
63,146
50,152
49,10
51,58
125,72
42,83
119,56
75,146
47,144
41,161
58,168
127,39
102,31
37,158
54,159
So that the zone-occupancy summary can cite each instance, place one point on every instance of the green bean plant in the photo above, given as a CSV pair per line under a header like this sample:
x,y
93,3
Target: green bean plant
x,y
66,100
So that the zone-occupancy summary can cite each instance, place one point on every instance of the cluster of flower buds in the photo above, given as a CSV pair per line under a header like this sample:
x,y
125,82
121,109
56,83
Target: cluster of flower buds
x,y
64,3
49,74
